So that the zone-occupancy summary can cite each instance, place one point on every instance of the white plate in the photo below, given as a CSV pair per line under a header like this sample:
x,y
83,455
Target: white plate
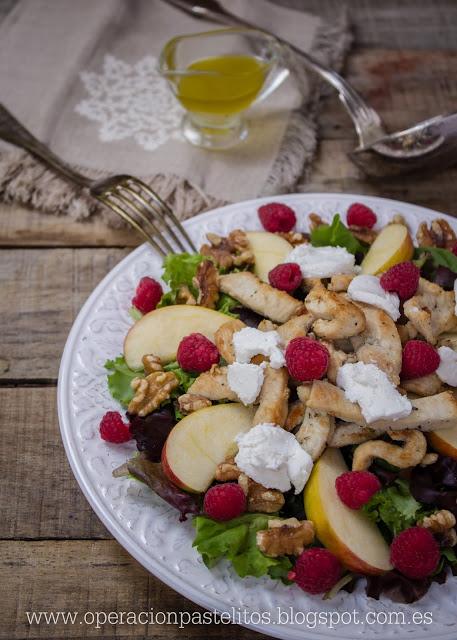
x,y
145,525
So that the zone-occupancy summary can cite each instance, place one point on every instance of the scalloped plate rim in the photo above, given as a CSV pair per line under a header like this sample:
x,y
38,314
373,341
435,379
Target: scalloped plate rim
x,y
102,510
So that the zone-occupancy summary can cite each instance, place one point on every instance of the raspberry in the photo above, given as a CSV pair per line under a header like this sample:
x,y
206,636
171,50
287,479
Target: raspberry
x,y
224,501
419,359
113,429
415,552
147,294
306,359
316,570
361,216
402,278
355,488
286,277
277,217
454,249
196,353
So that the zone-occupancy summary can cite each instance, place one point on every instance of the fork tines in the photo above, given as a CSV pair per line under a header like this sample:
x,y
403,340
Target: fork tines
x,y
144,210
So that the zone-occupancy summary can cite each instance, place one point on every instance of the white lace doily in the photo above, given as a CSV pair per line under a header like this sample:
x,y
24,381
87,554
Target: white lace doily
x,y
131,101
145,525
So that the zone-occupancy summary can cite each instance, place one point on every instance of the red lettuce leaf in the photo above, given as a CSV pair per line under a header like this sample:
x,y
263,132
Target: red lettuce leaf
x,y
399,588
152,475
151,431
436,484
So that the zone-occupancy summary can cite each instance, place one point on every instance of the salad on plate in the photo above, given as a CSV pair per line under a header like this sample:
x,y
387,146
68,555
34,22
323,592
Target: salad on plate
x,y
294,394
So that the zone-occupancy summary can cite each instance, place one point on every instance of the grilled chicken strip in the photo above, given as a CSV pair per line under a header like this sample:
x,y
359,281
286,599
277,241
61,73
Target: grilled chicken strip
x,y
224,339
431,310
428,414
380,343
336,360
295,327
273,397
262,298
335,316
348,433
213,385
424,386
316,428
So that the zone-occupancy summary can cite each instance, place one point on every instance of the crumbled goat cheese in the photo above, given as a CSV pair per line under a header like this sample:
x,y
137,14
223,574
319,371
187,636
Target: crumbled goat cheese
x,y
273,457
245,380
251,342
447,370
321,262
368,289
371,388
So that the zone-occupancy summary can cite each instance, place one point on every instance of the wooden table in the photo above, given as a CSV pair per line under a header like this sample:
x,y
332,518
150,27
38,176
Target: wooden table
x,y
55,554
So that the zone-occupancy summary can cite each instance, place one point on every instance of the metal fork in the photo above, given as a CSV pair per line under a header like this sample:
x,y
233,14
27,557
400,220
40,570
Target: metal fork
x,y
129,197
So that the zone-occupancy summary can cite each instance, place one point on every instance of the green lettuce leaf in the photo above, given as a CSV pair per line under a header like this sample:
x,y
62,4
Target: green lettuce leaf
x,y
179,270
336,235
135,314
449,554
226,303
440,257
235,540
395,507
448,558
185,378
120,378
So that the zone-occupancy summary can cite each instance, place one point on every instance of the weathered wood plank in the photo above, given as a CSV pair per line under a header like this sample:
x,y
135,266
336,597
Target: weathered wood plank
x,y
330,172
38,493
404,86
390,23
42,292
96,576
20,226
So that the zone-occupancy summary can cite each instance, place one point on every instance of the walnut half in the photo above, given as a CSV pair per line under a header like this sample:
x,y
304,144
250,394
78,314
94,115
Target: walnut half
x,y
206,281
438,522
233,251
151,363
190,402
260,498
227,471
440,234
151,391
285,537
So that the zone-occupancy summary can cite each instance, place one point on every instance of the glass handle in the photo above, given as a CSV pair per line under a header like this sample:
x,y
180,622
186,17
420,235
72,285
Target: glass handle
x,y
274,79
278,73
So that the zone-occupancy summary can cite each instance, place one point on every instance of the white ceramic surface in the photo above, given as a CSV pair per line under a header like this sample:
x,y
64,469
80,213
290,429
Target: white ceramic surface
x,y
145,525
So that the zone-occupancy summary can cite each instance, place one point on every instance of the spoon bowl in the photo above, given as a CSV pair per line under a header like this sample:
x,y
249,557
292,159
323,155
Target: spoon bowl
x,y
432,142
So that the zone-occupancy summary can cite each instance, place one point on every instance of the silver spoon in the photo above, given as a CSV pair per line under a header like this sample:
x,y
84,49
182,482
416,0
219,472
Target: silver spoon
x,y
433,141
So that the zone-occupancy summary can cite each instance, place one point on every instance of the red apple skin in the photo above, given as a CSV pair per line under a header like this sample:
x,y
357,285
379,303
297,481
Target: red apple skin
x,y
169,473
319,496
349,560
441,445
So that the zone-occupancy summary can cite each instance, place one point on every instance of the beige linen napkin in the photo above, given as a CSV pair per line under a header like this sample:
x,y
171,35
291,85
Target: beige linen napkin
x,y
82,76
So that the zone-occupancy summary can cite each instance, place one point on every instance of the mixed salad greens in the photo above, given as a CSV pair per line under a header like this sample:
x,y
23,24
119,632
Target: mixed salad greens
x,y
406,496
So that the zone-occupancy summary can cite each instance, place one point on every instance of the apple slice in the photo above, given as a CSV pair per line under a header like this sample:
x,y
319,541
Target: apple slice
x,y
444,441
201,441
160,331
269,250
393,245
347,533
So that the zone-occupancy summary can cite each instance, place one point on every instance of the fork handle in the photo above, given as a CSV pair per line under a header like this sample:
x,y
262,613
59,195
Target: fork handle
x,y
12,131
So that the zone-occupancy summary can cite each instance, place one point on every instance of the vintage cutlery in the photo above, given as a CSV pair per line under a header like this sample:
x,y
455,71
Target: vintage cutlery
x,y
127,196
